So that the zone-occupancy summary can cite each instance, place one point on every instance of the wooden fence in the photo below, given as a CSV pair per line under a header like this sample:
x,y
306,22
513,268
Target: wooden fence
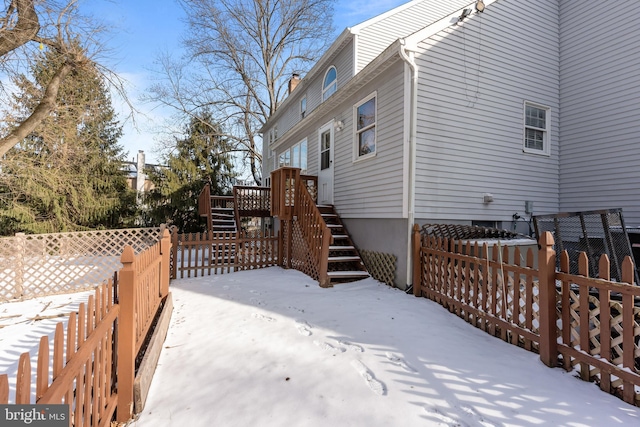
x,y
200,254
35,265
574,321
94,372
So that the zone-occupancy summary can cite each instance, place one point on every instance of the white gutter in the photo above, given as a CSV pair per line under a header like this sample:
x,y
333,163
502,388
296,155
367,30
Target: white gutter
x,y
413,130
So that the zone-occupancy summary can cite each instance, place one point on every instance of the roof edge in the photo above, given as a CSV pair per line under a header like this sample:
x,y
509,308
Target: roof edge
x,y
357,28
443,23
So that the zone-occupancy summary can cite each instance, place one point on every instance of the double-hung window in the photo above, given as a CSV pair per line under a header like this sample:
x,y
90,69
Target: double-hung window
x,y
303,107
536,128
365,118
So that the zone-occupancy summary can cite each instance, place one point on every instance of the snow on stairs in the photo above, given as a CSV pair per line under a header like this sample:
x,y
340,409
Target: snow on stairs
x,y
223,219
345,264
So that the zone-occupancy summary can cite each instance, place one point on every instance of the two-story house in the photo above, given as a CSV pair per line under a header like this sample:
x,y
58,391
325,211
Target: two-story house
x,y
469,113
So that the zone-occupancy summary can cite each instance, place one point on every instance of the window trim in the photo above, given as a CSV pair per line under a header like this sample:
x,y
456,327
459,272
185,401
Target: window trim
x,y
546,141
333,84
286,157
303,111
356,132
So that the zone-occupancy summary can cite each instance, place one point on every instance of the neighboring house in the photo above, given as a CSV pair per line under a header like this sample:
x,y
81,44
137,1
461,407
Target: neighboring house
x,y
136,177
436,113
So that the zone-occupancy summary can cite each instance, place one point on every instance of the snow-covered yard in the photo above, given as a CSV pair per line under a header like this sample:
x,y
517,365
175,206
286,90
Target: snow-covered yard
x,y
270,348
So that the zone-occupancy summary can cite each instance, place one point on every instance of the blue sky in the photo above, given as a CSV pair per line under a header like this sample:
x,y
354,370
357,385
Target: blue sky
x,y
143,28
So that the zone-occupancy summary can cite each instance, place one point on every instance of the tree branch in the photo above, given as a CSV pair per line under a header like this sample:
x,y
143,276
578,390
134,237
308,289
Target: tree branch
x,y
44,108
26,27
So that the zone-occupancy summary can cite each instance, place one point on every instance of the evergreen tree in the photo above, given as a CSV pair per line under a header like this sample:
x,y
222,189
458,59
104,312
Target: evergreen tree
x,y
200,157
67,174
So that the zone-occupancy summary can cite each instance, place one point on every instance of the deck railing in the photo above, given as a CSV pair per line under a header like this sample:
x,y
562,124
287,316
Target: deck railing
x,y
574,320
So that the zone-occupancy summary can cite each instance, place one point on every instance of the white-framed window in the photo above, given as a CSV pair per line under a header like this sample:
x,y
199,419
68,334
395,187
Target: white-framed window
x,y
330,82
365,119
273,135
295,156
284,159
537,123
299,155
271,158
303,107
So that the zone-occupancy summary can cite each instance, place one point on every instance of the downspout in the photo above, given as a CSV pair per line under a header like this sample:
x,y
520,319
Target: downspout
x,y
413,126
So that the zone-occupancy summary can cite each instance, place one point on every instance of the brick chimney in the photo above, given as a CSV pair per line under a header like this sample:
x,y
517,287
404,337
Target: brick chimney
x,y
293,82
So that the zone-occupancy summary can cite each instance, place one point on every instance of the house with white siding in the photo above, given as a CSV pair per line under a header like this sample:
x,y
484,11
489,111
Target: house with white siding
x,y
468,113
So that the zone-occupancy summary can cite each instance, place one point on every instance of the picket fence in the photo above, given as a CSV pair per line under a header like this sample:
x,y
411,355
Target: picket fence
x,y
575,321
199,254
93,369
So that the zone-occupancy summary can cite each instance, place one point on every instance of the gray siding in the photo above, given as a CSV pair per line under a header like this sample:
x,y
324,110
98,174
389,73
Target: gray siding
x,y
600,88
474,79
290,116
372,188
375,37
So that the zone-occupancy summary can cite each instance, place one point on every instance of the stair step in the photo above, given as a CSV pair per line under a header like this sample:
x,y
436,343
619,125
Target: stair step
x,y
340,236
341,248
334,225
344,258
347,274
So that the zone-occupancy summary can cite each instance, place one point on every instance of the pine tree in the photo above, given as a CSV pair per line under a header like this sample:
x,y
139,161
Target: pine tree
x,y
67,174
200,157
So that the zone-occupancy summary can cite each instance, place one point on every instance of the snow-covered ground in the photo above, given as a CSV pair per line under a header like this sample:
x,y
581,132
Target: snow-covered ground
x,y
271,348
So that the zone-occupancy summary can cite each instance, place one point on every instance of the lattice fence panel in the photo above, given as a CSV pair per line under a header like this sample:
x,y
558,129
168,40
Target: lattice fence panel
x,y
301,258
380,266
616,323
46,264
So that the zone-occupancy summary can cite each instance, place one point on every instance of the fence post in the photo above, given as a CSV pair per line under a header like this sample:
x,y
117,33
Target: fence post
x,y
547,283
165,248
18,290
126,335
417,262
174,248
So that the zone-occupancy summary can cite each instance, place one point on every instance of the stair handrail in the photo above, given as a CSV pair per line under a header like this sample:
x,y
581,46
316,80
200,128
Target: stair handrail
x,y
204,203
314,230
236,212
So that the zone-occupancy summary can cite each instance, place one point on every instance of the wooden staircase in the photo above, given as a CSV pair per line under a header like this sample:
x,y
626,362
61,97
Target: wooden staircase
x,y
223,216
344,263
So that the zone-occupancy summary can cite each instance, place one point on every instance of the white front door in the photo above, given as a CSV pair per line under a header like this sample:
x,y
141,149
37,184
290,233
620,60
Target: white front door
x,y
325,174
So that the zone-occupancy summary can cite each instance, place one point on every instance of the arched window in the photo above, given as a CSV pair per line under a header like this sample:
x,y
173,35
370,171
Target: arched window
x,y
330,82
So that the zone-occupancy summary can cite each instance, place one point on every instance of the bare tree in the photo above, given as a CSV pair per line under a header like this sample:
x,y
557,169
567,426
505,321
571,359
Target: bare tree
x,y
241,54
27,28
